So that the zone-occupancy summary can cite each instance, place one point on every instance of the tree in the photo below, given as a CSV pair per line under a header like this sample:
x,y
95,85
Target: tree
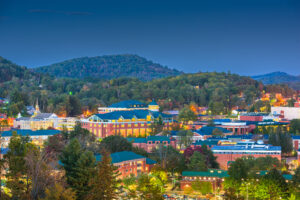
x,y
238,170
58,192
185,138
296,179
295,126
169,158
73,106
147,189
104,183
186,115
197,162
78,165
17,179
40,166
281,139
115,143
157,126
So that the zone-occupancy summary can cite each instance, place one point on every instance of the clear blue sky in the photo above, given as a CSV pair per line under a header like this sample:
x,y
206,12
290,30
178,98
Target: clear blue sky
x,y
248,37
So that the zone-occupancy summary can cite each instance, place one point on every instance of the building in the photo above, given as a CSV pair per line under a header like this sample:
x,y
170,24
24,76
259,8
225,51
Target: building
x,y
37,137
128,123
128,105
214,176
227,154
130,163
288,113
296,141
152,142
236,127
209,143
40,121
254,116
208,131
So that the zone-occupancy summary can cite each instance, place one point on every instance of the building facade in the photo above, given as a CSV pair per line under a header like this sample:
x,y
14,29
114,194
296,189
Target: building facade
x,y
131,123
227,154
129,163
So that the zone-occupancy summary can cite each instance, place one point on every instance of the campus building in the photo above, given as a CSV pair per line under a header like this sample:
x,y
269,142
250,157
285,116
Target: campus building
x,y
129,105
152,142
37,137
128,123
288,113
130,163
214,176
227,154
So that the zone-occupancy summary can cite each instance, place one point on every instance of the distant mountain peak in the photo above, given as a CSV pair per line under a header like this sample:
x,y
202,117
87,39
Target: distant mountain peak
x,y
277,78
109,67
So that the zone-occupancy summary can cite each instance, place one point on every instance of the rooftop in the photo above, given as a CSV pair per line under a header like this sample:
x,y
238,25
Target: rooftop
x,y
130,114
209,173
30,132
247,147
149,138
128,104
121,156
208,130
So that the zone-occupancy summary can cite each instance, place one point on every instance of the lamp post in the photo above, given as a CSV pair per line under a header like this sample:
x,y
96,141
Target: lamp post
x,y
173,176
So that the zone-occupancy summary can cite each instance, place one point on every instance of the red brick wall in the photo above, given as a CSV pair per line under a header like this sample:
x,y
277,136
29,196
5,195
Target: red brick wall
x,y
251,118
223,159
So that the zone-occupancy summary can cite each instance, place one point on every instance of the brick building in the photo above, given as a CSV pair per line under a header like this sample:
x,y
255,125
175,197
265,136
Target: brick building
x,y
130,163
151,142
129,123
227,154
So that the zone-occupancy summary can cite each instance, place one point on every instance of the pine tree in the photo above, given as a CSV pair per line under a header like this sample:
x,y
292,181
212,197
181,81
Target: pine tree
x,y
79,167
104,184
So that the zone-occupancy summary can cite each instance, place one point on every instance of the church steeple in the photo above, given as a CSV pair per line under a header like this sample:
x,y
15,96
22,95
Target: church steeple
x,y
37,109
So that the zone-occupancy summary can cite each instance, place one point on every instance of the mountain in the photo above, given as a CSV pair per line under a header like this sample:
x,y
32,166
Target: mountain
x,y
277,78
9,70
109,67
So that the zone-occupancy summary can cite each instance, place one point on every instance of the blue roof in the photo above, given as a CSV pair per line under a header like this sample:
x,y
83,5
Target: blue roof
x,y
130,114
244,136
296,137
245,147
128,104
153,103
30,132
4,150
149,138
150,161
206,142
208,130
121,156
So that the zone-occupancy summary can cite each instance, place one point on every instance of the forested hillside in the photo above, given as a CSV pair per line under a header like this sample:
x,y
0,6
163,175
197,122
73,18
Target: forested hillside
x,y
109,67
219,91
9,70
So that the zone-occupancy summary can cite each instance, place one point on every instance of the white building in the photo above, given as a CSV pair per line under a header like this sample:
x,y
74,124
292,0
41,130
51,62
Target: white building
x,y
286,112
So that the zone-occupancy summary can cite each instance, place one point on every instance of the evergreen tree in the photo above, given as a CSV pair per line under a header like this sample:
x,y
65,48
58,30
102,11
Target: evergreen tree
x,y
197,162
79,166
17,180
104,183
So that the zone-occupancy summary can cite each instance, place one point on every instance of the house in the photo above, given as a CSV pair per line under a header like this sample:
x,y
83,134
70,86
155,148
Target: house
x,y
128,123
288,113
209,143
151,142
227,154
129,163
253,116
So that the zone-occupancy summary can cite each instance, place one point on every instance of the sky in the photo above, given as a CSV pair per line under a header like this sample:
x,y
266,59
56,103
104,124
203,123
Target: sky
x,y
248,37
